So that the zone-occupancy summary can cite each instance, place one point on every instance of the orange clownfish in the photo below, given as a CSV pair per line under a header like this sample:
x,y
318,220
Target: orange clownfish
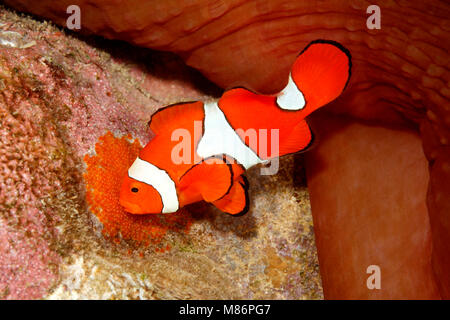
x,y
156,183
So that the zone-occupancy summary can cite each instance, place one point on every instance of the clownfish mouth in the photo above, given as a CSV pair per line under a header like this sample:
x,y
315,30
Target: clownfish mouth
x,y
131,207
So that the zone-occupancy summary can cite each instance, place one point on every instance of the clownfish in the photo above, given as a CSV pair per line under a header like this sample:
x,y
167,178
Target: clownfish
x,y
222,151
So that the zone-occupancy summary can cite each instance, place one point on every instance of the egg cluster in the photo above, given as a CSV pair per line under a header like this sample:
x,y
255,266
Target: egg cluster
x,y
103,179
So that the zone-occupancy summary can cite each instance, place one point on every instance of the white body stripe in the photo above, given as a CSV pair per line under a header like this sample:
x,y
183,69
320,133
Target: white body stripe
x,y
159,179
220,138
291,98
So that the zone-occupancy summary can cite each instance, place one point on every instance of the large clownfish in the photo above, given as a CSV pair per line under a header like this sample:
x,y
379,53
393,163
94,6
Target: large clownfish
x,y
222,152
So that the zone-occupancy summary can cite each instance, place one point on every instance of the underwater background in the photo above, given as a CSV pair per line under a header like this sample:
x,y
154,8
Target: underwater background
x,y
373,190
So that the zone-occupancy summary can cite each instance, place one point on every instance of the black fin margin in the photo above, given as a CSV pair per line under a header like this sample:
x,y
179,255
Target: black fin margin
x,y
340,47
167,107
244,211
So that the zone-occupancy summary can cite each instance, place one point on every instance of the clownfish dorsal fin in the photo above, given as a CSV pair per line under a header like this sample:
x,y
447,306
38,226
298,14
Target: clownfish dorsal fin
x,y
174,116
236,201
212,178
318,76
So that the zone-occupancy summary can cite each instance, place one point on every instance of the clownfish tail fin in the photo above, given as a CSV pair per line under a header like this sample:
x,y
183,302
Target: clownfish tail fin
x,y
318,76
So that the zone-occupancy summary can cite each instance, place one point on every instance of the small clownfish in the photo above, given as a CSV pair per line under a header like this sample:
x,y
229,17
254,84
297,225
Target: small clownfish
x,y
222,152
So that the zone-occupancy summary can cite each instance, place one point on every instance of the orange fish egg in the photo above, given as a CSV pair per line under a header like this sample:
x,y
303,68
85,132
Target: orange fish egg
x,y
103,179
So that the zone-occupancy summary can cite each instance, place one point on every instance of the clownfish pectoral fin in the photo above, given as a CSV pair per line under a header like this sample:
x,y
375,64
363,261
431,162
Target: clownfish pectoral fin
x,y
300,138
236,201
212,178
318,76
236,167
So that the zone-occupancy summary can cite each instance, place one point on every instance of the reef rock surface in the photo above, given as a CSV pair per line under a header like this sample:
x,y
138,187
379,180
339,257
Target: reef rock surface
x,y
59,95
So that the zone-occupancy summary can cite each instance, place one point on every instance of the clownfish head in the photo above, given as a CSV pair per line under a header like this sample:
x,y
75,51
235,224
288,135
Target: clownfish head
x,y
148,189
139,198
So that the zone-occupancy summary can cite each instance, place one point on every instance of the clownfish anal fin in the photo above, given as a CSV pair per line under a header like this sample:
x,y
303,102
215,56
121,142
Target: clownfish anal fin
x,y
212,178
236,201
300,138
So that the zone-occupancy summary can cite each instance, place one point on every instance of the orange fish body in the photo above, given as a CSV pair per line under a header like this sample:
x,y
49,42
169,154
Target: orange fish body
x,y
228,136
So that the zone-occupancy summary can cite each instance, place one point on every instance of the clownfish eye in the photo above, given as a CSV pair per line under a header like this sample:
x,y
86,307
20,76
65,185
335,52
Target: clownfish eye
x,y
134,189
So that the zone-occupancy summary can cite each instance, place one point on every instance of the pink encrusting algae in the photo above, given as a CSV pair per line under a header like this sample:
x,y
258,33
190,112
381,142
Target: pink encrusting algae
x,y
29,170
103,178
